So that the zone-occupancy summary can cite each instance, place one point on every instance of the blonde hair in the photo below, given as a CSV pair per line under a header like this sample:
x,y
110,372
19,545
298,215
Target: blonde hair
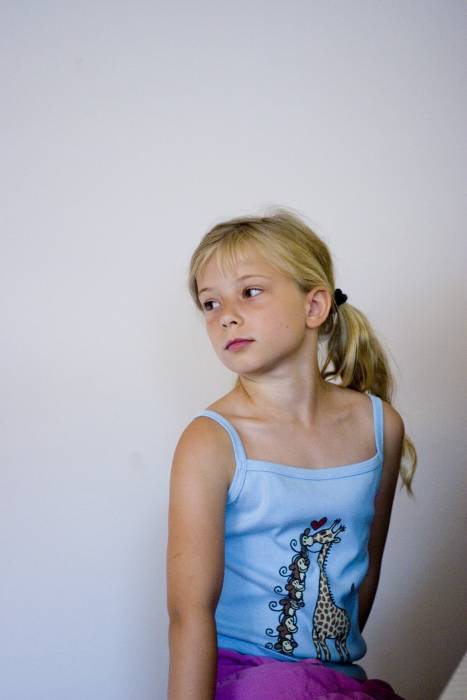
x,y
354,354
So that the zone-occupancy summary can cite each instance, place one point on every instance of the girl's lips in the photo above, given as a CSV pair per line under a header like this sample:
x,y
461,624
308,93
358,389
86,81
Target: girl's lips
x,y
239,344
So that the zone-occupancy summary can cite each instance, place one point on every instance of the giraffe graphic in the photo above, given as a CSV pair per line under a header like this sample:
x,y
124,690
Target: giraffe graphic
x,y
288,605
329,620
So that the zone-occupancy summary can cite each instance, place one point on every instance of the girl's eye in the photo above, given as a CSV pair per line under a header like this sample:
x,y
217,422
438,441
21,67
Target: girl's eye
x,y
248,289
256,289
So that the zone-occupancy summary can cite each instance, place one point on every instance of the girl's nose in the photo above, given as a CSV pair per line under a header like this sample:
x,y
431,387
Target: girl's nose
x,y
227,320
229,316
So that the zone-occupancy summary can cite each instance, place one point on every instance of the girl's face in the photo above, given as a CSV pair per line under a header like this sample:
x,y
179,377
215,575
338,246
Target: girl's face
x,y
253,301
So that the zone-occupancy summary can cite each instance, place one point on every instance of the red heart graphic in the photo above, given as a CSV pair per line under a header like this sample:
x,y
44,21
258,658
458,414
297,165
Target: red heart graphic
x,y
316,524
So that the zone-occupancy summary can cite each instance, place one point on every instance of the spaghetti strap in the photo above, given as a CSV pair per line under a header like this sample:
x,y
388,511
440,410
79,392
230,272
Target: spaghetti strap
x,y
378,422
239,453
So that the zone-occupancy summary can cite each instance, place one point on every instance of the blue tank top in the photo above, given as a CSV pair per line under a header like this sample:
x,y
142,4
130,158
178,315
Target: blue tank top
x,y
295,555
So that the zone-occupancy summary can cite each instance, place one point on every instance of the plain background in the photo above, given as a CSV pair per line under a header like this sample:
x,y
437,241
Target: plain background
x,y
128,129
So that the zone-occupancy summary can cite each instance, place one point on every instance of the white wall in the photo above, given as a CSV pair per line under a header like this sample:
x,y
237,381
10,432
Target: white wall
x,y
128,129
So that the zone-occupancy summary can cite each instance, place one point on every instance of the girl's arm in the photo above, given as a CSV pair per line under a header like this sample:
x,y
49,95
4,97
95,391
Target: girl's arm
x,y
393,438
195,556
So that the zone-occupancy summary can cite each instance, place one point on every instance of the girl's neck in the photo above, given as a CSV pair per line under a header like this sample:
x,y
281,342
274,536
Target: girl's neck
x,y
297,402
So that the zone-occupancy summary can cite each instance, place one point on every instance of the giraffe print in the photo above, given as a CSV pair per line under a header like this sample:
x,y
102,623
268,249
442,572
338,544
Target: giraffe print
x,y
329,620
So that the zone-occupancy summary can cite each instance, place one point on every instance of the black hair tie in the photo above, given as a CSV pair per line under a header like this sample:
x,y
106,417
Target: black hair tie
x,y
339,297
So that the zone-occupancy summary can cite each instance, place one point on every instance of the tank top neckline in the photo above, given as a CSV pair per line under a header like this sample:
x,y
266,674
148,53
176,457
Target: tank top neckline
x,y
280,467
341,470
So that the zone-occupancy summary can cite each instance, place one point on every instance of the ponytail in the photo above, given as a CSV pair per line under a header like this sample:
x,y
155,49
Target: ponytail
x,y
360,362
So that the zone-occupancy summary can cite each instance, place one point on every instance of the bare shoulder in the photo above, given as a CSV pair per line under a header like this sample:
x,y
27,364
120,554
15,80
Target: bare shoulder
x,y
394,431
393,441
199,483
348,401
202,464
205,448
393,423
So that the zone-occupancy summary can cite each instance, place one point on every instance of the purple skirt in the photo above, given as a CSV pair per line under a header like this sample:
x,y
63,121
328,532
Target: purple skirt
x,y
247,677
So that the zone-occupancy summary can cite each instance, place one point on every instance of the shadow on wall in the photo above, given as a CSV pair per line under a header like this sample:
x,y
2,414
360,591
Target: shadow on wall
x,y
430,622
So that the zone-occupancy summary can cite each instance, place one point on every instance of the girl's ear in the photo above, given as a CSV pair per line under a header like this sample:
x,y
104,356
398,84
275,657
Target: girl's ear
x,y
318,306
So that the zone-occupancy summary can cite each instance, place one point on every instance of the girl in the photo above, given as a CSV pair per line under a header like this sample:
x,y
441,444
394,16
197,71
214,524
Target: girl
x,y
281,490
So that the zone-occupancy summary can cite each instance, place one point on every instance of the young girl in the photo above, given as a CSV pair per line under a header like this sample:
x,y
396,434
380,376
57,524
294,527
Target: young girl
x,y
281,490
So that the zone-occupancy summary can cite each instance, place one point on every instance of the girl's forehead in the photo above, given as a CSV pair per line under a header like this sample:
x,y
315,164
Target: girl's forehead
x,y
247,260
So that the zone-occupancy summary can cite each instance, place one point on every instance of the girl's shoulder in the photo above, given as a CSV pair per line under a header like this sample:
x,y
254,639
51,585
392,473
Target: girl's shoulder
x,y
205,442
198,492
353,400
391,419
350,412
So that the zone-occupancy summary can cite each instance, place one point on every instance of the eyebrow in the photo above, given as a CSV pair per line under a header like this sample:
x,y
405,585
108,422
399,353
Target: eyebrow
x,y
243,277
